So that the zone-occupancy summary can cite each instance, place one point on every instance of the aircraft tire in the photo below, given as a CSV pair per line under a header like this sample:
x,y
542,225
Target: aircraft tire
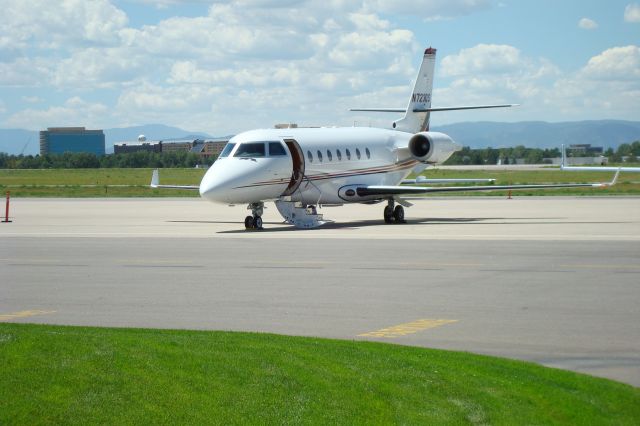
x,y
388,214
257,222
398,214
248,222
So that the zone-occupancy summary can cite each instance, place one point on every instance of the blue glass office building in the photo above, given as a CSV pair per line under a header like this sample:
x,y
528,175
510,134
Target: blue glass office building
x,y
58,140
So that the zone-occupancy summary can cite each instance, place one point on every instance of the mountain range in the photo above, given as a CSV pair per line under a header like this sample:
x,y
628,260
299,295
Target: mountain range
x,y
532,134
541,134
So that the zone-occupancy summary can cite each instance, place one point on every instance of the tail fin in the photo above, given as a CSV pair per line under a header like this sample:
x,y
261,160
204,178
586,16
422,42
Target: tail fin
x,y
416,117
418,112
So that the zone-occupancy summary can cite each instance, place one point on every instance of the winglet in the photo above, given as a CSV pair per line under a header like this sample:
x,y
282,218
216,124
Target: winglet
x,y
564,156
615,178
155,179
608,184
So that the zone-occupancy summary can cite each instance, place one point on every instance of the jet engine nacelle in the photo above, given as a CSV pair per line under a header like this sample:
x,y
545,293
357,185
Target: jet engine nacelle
x,y
432,147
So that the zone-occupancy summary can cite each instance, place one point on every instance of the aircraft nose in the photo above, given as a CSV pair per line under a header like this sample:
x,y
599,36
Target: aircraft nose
x,y
212,189
214,185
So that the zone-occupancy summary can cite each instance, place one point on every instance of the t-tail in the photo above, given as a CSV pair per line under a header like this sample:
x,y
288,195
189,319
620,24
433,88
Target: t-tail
x,y
417,115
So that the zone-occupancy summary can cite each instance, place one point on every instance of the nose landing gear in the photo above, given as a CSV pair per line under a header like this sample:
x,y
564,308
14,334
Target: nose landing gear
x,y
254,221
392,214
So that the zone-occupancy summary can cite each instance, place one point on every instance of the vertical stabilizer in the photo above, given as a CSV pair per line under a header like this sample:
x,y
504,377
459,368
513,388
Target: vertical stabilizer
x,y
416,119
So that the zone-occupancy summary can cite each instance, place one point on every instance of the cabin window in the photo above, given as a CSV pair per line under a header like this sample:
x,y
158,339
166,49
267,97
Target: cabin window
x,y
358,153
227,150
319,156
276,148
348,153
329,156
310,156
366,150
339,155
250,150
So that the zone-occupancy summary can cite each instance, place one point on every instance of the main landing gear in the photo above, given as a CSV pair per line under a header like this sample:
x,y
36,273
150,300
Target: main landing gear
x,y
392,214
255,220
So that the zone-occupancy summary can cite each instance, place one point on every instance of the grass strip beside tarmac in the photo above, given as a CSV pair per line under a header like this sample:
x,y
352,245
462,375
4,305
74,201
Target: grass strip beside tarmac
x,y
135,182
80,375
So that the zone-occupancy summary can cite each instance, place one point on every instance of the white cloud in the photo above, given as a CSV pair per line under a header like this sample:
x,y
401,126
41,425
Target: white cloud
x,y
32,99
429,10
361,49
257,75
74,112
266,55
100,68
252,63
482,58
587,24
632,12
607,86
617,63
228,31
61,24
22,72
257,58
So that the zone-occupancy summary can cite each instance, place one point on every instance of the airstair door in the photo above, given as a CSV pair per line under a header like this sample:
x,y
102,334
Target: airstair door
x,y
297,174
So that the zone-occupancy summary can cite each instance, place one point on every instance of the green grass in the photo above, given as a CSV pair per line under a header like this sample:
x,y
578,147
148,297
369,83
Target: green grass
x,y
78,375
96,182
628,183
135,182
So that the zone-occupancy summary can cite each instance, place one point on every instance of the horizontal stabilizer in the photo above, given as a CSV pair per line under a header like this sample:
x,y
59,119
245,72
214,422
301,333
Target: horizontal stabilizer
x,y
379,109
458,108
435,109
155,183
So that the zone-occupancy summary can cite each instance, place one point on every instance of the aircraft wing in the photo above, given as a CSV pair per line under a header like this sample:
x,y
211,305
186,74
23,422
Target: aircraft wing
x,y
400,190
155,183
422,179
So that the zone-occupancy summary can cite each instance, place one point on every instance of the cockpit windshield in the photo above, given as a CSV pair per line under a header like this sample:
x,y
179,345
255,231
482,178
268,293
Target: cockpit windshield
x,y
250,150
227,150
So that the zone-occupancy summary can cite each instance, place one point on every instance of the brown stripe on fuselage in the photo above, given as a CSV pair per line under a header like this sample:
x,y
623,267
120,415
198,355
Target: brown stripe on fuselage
x,y
355,172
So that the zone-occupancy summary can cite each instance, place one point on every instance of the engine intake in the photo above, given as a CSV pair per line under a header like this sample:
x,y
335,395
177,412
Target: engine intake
x,y
432,146
420,146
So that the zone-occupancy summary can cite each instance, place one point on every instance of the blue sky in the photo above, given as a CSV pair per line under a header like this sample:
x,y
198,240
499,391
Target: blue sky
x,y
227,66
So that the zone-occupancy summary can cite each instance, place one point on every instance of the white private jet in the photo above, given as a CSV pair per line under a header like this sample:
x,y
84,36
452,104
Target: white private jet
x,y
302,168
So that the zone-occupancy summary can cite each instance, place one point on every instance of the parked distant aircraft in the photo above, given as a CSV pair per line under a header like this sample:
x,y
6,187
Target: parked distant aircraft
x,y
302,168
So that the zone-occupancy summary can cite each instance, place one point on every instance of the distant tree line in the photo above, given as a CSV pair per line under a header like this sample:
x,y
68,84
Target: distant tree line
x,y
630,151
85,160
146,159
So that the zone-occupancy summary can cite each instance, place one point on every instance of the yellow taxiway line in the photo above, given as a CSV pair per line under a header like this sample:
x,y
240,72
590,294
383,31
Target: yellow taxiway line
x,y
407,328
23,314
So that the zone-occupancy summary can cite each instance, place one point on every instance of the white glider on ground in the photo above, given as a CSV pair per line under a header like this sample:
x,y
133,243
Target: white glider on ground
x,y
301,169
563,166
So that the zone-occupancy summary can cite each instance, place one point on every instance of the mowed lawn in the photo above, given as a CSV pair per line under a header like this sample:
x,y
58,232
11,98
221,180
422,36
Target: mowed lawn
x,y
79,375
96,182
135,182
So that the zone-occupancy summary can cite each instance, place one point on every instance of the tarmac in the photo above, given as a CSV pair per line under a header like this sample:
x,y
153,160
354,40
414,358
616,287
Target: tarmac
x,y
553,280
